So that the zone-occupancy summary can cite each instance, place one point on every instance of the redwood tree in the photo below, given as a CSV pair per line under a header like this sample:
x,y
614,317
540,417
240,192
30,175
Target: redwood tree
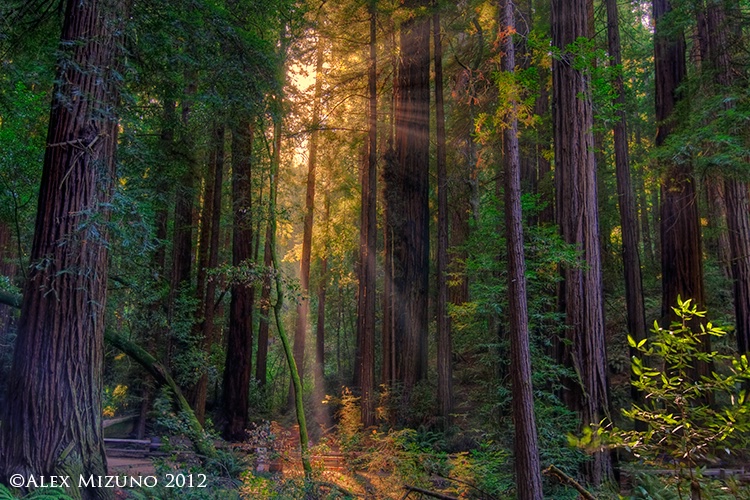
x,y
240,336
408,200
581,294
444,343
625,197
367,242
723,45
526,448
54,426
681,257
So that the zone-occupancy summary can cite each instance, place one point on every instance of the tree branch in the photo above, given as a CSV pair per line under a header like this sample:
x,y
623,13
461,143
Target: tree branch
x,y
566,479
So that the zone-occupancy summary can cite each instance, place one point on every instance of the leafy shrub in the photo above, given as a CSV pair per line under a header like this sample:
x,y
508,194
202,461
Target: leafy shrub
x,y
684,428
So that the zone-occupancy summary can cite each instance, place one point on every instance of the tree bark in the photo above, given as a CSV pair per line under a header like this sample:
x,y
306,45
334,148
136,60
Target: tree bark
x,y
54,425
320,382
681,258
444,342
722,25
575,178
238,366
408,213
211,225
261,357
636,313
526,448
368,242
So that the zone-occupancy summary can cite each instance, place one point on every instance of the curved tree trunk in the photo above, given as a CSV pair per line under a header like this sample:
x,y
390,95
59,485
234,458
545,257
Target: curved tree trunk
x,y
54,426
303,306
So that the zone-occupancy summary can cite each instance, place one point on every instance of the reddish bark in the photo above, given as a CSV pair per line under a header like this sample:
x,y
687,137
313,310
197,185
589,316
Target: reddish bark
x,y
54,425
408,195
525,446
238,366
575,177
367,244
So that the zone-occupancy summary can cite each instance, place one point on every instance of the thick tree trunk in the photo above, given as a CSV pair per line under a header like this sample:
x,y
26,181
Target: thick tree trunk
x,y
681,258
54,426
717,239
367,243
575,173
238,366
444,343
388,365
409,214
722,24
631,260
526,448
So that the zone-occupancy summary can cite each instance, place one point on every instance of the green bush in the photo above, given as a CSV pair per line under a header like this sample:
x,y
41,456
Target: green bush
x,y
687,422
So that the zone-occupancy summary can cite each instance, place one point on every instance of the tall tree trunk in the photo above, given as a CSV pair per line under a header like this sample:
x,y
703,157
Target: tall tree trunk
x,y
303,306
182,231
722,24
575,171
648,247
155,336
444,343
526,448
54,425
320,382
368,241
717,239
388,366
409,214
211,225
681,259
238,366
261,356
626,199
8,269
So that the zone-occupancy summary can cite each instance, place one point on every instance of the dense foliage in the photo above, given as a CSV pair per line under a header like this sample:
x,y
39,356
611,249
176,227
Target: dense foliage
x,y
256,120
